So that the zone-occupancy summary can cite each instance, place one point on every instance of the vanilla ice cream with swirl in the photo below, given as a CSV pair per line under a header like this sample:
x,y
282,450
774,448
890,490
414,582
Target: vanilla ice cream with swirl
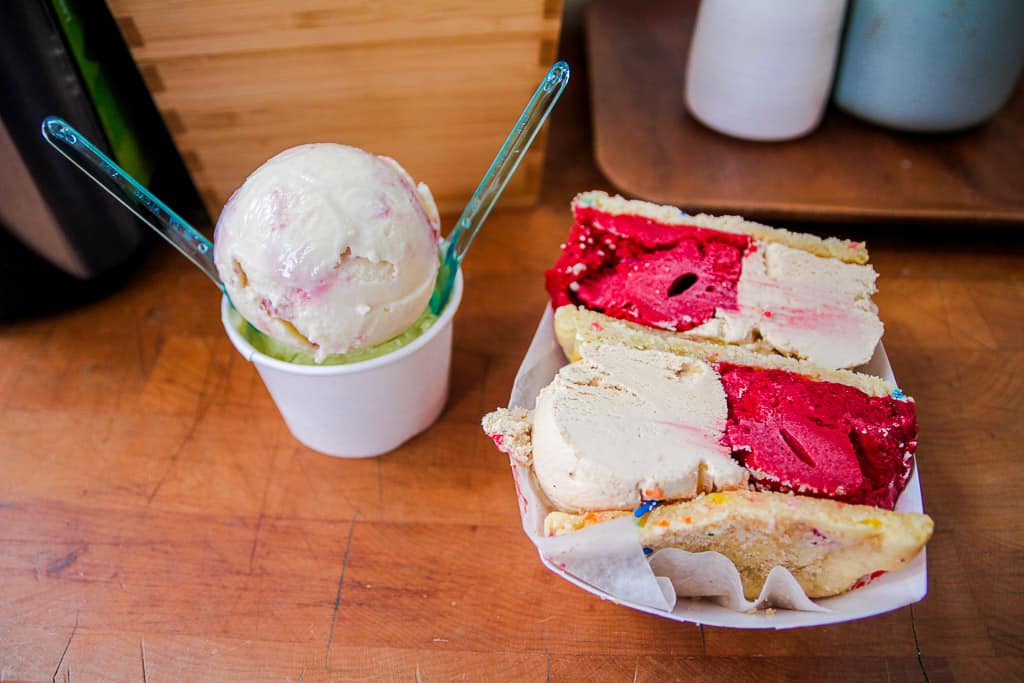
x,y
328,248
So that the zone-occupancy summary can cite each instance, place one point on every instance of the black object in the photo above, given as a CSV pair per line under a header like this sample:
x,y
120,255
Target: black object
x,y
63,240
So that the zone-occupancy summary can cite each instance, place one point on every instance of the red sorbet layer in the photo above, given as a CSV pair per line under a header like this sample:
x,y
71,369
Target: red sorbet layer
x,y
633,268
818,438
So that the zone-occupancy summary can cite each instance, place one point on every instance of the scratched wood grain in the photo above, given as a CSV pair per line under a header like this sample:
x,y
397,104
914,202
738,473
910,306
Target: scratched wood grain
x,y
158,523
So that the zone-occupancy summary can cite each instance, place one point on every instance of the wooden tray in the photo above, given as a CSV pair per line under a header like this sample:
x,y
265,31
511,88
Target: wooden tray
x,y
648,145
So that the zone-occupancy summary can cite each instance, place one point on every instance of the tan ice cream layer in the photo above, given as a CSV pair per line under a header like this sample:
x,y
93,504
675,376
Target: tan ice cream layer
x,y
622,426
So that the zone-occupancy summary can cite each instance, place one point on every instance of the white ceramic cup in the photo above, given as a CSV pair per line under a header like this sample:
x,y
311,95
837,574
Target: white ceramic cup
x,y
360,409
762,69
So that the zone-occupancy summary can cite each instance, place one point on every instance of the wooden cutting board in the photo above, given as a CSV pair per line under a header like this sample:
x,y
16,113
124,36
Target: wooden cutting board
x,y
649,146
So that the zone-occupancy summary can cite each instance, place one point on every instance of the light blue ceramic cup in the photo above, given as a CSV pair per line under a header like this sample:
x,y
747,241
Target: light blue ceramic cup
x,y
930,65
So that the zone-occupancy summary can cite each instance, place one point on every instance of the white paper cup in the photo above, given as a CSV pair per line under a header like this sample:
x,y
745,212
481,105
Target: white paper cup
x,y
360,409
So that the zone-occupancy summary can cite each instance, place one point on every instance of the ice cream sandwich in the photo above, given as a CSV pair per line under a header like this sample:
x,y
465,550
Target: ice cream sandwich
x,y
626,430
719,278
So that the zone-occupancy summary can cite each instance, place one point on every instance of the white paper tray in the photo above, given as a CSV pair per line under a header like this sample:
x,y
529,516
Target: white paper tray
x,y
608,561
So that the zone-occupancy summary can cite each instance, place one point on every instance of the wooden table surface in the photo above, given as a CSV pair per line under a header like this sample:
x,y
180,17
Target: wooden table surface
x,y
159,523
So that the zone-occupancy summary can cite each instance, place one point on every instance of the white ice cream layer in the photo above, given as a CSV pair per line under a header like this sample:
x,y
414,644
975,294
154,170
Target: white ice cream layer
x,y
328,248
622,425
807,306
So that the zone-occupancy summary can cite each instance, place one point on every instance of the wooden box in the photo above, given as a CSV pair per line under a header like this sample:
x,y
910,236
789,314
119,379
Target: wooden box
x,y
436,84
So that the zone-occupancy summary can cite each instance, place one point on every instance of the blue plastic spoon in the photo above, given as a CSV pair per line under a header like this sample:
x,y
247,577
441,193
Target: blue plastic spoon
x,y
125,189
495,180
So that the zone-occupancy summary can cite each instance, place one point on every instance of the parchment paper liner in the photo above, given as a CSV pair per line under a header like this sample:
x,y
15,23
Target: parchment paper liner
x,y
608,561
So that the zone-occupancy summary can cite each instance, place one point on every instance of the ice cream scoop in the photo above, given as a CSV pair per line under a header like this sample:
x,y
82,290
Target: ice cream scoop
x,y
329,248
493,183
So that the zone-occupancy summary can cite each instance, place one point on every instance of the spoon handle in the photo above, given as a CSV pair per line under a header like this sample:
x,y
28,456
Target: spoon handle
x,y
497,177
125,189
